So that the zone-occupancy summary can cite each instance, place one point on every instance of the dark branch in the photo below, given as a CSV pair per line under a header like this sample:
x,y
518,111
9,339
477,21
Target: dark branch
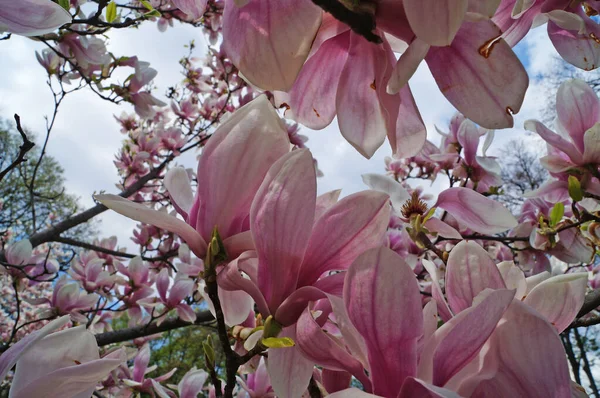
x,y
118,336
361,22
23,149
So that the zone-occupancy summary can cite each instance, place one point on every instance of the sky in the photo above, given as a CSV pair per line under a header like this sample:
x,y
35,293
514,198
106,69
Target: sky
x,y
86,135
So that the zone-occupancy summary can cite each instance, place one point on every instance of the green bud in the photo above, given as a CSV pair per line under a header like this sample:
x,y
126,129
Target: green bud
x,y
556,214
64,4
575,191
111,12
209,352
272,328
278,342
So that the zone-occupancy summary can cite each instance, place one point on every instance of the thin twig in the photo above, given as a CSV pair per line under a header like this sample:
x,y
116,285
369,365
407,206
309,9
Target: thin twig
x,y
23,149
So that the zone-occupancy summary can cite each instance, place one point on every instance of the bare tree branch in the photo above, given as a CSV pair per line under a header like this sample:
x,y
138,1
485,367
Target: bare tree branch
x,y
23,149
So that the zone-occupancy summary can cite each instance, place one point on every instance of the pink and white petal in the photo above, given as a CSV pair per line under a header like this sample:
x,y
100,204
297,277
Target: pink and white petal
x,y
236,306
591,142
186,313
580,48
325,201
407,65
435,22
459,340
180,290
436,291
230,279
430,322
312,97
193,8
384,304
480,75
554,139
470,270
352,393
251,139
289,370
351,226
559,298
159,219
76,381
468,138
484,7
442,229
267,42
506,372
410,134
413,387
19,253
9,358
282,217
292,307
514,278
237,244
177,183
515,19
382,183
323,350
573,247
475,211
578,110
361,117
334,380
162,284
31,17
352,338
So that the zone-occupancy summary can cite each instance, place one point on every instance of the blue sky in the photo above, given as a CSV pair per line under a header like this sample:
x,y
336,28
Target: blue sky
x,y
86,136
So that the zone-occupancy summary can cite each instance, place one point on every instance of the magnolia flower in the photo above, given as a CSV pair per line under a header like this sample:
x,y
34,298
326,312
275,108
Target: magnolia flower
x,y
382,327
61,364
470,270
68,299
356,80
135,379
172,298
31,17
574,34
190,385
193,8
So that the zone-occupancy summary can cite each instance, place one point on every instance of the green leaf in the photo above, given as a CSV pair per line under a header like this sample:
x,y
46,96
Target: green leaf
x,y
278,342
557,213
209,351
111,12
147,5
64,4
575,191
153,13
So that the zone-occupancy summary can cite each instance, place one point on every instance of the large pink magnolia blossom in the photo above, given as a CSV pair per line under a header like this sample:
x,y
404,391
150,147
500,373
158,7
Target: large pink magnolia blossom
x,y
470,270
250,140
31,17
136,381
60,364
382,328
349,77
577,143
574,34
299,238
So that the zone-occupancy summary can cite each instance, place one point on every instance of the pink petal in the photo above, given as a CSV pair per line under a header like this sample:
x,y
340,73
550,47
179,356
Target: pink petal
x,y
323,350
470,270
180,290
573,247
267,42
334,380
475,211
288,312
468,138
238,244
407,65
459,340
177,184
159,219
578,109
442,229
559,298
513,278
386,184
435,22
289,370
325,201
592,145
484,7
282,217
193,8
436,291
352,393
192,383
251,139
19,253
515,22
186,313
351,226
580,48
9,358
410,134
487,85
162,284
384,304
312,98
506,372
236,306
31,17
361,117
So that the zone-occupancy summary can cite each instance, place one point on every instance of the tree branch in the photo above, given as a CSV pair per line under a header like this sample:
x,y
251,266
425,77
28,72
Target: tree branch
x,y
23,149
361,22
592,301
99,249
118,336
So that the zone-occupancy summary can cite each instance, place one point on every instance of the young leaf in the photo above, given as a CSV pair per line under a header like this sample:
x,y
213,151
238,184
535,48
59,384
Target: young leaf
x,y
575,191
278,342
111,12
64,4
557,213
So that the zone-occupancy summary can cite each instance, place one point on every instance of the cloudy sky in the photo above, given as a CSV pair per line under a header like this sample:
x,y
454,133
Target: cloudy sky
x,y
86,136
